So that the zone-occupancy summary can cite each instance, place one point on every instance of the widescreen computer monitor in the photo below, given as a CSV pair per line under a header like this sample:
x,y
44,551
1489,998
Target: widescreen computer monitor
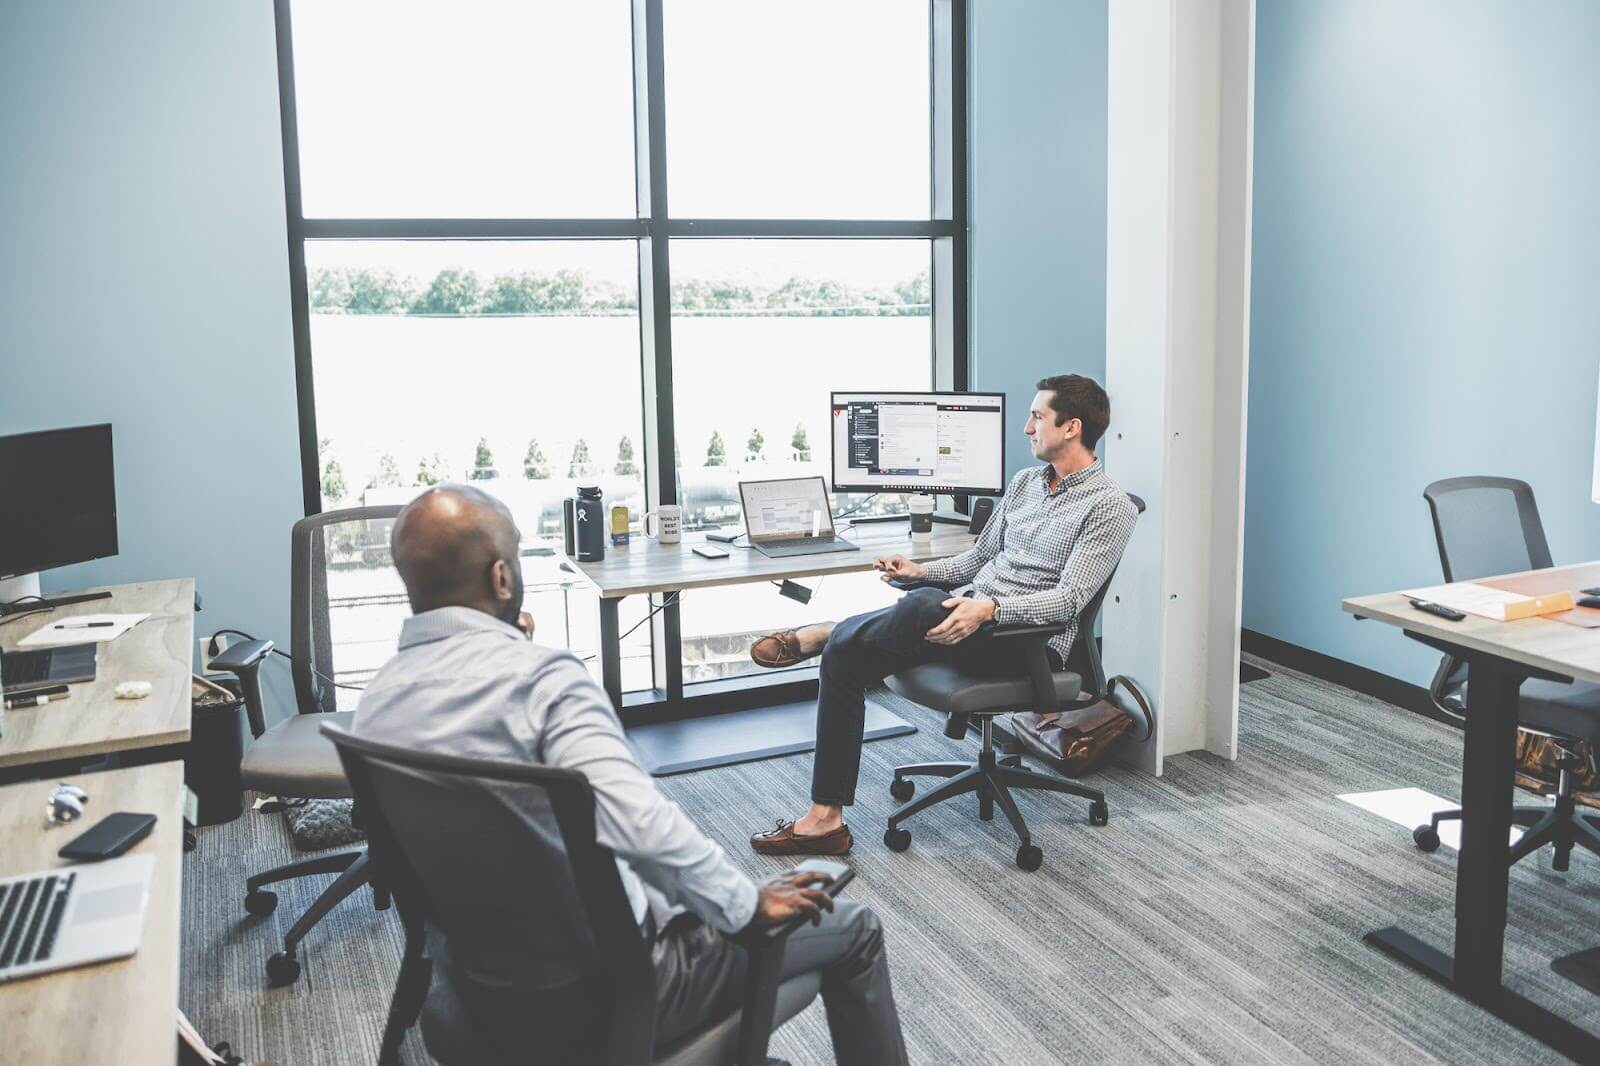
x,y
951,442
59,497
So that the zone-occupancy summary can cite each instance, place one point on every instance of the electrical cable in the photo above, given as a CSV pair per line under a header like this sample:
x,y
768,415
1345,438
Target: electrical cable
x,y
668,602
857,507
279,651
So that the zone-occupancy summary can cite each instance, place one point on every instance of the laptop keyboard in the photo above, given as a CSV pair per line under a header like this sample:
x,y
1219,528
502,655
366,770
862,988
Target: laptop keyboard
x,y
26,668
30,918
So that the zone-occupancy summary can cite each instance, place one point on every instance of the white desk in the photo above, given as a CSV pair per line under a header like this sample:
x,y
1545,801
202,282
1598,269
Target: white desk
x,y
91,721
645,566
1499,656
123,1011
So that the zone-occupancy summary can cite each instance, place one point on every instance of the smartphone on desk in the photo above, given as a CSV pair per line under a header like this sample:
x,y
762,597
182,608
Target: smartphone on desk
x,y
109,837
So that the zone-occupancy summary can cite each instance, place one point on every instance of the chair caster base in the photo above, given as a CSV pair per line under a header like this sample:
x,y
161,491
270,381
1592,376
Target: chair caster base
x,y
897,839
902,788
1426,837
1099,813
282,970
1029,857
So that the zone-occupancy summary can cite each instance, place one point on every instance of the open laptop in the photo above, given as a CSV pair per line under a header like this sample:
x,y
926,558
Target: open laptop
x,y
72,915
32,668
790,516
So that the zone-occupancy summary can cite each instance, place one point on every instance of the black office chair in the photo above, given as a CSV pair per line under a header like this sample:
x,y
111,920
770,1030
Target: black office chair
x,y
1487,526
293,758
964,694
507,897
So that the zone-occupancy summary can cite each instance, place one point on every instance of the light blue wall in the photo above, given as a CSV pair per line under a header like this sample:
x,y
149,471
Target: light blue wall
x,y
1037,128
1424,303
144,282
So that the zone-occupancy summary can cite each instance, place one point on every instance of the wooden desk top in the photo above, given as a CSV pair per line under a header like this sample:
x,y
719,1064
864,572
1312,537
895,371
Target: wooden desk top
x,y
123,1011
92,721
1558,647
645,565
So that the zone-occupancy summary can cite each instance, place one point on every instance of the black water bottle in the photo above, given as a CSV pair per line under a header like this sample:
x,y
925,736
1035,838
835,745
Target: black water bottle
x,y
583,526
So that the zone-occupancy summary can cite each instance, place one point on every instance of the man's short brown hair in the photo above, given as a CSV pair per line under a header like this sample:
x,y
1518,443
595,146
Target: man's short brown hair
x,y
1075,396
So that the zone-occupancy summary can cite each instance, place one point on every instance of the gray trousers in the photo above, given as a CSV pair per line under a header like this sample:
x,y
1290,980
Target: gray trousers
x,y
700,975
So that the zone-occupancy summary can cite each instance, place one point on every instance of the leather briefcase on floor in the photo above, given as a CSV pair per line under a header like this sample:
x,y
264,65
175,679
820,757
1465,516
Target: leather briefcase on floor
x,y
1079,739
1536,767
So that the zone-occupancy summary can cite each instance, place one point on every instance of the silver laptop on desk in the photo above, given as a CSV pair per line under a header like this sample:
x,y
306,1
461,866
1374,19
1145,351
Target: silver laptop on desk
x,y
790,516
72,915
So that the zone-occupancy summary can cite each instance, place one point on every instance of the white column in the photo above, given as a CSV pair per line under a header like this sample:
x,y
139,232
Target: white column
x,y
1177,339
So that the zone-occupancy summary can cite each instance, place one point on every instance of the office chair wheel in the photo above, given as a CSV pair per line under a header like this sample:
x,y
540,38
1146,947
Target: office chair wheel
x,y
1099,814
282,970
901,788
897,839
1029,857
1426,837
261,902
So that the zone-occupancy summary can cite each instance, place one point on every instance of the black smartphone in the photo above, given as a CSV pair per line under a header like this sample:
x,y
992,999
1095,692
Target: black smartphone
x,y
109,837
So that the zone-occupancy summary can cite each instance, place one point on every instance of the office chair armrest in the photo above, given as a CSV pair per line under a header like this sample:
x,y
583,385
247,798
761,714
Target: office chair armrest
x,y
243,660
912,586
1040,669
765,945
1045,631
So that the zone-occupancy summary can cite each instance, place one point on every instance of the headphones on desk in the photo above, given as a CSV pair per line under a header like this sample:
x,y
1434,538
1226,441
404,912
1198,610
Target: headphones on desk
x,y
66,804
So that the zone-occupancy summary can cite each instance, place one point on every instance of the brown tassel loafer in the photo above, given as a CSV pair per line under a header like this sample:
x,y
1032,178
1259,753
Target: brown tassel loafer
x,y
776,651
783,840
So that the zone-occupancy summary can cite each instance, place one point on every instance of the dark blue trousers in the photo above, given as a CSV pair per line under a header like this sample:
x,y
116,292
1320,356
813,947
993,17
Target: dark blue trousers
x,y
862,651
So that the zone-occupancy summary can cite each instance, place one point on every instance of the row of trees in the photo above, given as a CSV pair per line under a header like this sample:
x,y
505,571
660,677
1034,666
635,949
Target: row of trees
x,y
434,470
362,291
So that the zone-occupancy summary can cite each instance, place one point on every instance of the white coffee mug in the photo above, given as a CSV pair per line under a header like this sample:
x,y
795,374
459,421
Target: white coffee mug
x,y
921,508
669,523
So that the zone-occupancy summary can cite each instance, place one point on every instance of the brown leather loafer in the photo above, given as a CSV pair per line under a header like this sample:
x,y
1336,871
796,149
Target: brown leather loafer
x,y
783,840
778,650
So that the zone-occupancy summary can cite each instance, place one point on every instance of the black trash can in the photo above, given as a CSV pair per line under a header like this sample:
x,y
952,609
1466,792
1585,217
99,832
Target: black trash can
x,y
216,748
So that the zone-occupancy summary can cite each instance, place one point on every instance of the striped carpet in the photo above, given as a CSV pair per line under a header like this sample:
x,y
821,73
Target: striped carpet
x,y
1216,919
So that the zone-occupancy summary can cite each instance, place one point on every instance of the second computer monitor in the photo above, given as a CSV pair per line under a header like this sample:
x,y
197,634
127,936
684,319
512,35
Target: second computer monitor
x,y
919,442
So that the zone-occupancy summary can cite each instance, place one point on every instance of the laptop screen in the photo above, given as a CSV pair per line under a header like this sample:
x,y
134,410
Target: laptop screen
x,y
788,508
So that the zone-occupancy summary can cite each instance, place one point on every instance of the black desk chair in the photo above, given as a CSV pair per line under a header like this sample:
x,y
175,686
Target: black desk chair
x,y
965,694
498,877
1486,526
293,758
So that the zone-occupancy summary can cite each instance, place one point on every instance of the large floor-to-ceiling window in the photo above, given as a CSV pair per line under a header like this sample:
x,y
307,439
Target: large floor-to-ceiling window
x,y
634,243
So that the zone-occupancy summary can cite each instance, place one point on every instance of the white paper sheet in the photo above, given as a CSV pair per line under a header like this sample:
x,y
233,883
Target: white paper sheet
x,y
76,630
1470,597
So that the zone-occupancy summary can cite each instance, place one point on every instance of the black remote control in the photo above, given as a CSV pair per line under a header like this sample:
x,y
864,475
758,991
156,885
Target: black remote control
x,y
1439,609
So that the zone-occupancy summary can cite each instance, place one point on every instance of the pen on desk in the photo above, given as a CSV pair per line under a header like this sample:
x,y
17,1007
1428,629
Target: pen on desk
x,y
82,625
36,699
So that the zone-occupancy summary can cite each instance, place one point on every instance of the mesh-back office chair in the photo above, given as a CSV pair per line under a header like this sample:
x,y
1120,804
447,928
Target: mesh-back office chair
x,y
339,562
963,694
1487,526
528,925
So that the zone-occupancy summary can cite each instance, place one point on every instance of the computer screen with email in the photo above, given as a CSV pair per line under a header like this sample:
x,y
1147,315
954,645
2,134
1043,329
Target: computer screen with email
x,y
786,508
919,442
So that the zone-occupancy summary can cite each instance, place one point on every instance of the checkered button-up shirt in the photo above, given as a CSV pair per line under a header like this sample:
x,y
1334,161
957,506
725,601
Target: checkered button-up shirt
x,y
1045,553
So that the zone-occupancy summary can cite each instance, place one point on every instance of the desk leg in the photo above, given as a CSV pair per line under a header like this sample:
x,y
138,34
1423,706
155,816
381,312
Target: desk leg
x,y
1488,764
1488,768
611,650
672,651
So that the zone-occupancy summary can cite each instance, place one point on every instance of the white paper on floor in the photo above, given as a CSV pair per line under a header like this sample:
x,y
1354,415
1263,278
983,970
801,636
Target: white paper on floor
x,y
1412,807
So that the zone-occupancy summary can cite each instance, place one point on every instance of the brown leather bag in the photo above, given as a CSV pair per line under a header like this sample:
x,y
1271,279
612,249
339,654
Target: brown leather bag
x,y
1079,739
1536,767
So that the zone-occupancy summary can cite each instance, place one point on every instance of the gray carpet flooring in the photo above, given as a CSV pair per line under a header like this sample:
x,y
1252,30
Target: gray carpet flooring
x,y
1217,918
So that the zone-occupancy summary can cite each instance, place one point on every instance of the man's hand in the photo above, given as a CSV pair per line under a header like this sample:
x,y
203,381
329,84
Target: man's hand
x,y
899,568
791,896
965,616
525,623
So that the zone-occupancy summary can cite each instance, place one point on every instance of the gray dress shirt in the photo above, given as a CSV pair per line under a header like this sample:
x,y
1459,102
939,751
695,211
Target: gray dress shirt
x,y
465,683
1045,553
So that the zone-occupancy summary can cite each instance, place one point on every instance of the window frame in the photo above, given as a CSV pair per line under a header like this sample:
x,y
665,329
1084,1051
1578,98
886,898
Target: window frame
x,y
653,228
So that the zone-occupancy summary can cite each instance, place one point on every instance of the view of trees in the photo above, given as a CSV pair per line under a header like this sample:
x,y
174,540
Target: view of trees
x,y
756,447
483,463
534,467
800,444
453,291
625,464
716,451
580,459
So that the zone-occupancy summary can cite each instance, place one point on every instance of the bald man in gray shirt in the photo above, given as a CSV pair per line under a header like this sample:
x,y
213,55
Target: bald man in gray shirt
x,y
467,680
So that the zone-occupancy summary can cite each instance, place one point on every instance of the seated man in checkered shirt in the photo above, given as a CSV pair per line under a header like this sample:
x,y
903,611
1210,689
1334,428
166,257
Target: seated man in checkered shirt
x,y
1051,545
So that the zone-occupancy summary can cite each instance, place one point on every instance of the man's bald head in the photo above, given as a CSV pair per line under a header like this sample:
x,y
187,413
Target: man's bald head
x,y
446,544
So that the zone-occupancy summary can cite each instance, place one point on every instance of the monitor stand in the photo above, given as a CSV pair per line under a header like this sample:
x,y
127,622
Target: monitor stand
x,y
954,518
26,586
